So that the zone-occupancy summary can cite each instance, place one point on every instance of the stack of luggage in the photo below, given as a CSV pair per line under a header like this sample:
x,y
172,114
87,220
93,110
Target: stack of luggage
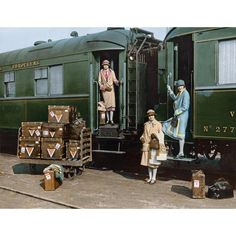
x,y
63,137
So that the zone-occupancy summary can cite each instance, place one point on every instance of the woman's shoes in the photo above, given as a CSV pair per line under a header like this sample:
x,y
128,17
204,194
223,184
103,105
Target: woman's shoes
x,y
153,181
147,181
150,181
180,156
111,122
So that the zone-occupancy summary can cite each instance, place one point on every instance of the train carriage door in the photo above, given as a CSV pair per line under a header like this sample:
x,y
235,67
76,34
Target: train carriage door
x,y
95,67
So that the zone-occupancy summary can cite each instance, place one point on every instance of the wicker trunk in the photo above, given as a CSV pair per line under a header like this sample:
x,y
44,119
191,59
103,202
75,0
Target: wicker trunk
x,y
29,147
31,129
53,148
61,114
75,130
55,130
73,150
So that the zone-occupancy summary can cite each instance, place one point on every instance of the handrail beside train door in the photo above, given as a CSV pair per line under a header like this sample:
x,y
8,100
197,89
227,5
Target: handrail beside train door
x,y
137,82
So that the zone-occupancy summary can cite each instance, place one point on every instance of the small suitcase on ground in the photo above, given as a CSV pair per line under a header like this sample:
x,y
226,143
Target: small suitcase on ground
x,y
198,184
50,181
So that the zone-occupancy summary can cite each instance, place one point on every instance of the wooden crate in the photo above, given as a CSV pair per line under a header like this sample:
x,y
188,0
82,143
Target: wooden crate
x,y
29,147
50,181
61,114
31,129
73,150
75,130
52,148
86,144
55,130
198,184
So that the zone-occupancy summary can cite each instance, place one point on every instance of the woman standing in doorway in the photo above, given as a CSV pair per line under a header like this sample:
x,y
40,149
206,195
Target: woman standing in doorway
x,y
106,80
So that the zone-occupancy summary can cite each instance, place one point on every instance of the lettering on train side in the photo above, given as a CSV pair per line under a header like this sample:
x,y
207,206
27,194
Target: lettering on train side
x,y
24,65
232,113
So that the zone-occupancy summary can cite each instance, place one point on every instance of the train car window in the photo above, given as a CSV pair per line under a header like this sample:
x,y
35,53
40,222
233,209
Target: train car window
x,y
10,86
56,80
227,62
41,80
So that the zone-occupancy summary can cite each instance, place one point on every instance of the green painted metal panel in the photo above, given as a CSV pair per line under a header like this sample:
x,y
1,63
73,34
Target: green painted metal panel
x,y
216,34
215,114
13,112
24,83
1,85
205,63
76,78
162,59
179,31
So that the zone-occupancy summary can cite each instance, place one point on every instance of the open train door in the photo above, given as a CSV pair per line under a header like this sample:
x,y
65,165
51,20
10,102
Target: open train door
x,y
108,138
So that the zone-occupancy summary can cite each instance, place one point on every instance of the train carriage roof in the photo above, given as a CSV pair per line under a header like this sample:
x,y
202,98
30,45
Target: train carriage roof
x,y
116,39
180,31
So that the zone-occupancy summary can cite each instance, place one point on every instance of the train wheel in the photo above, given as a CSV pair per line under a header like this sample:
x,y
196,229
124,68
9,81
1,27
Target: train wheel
x,y
79,170
70,172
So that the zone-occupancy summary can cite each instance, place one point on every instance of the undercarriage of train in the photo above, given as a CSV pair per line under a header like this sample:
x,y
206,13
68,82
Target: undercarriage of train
x,y
218,151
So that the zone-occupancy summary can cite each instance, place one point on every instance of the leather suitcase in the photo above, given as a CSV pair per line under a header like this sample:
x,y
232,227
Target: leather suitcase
x,y
50,182
198,184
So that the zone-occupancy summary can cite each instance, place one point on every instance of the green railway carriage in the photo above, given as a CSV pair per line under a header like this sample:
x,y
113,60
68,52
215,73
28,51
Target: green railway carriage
x,y
65,72
206,59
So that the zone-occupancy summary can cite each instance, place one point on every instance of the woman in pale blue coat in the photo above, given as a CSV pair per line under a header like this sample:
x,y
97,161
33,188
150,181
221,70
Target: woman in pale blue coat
x,y
181,111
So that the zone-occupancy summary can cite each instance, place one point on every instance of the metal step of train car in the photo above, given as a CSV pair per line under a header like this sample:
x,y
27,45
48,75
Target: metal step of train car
x,y
109,140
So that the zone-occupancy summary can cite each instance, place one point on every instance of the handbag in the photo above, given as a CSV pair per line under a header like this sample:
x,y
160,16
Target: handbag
x,y
174,122
220,189
107,88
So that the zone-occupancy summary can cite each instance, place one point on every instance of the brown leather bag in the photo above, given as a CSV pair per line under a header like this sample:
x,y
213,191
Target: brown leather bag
x,y
107,88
